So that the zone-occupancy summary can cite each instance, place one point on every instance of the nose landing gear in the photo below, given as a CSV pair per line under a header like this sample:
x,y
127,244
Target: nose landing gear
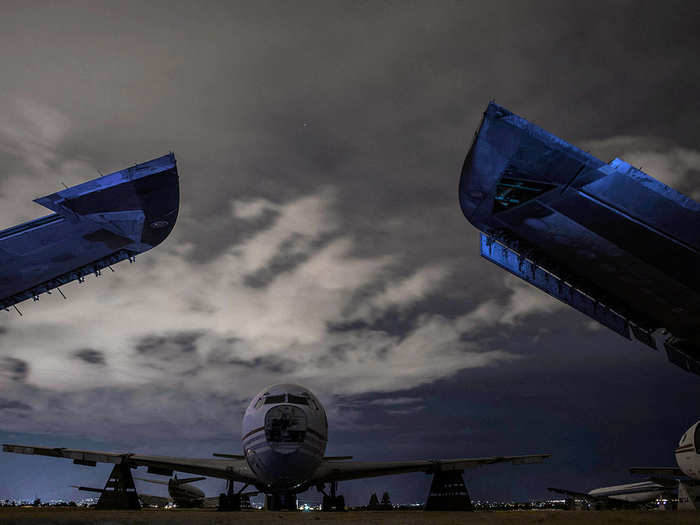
x,y
332,502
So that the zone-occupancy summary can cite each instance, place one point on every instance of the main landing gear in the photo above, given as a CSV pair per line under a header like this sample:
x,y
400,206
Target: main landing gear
x,y
231,500
332,502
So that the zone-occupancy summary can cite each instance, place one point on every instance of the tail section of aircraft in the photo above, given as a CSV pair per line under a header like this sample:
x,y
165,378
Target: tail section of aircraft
x,y
95,225
606,239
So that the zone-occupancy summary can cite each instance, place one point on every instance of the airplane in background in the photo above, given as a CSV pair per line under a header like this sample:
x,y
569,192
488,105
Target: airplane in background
x,y
686,474
182,494
284,435
631,494
95,225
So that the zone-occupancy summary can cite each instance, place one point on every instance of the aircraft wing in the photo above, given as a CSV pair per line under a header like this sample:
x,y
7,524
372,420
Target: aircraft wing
x,y
233,469
96,224
345,470
658,471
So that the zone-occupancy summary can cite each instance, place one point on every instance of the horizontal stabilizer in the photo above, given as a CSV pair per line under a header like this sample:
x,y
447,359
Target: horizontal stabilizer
x,y
606,239
96,224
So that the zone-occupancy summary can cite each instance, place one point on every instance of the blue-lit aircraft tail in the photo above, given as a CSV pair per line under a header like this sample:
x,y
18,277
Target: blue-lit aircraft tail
x,y
607,239
96,224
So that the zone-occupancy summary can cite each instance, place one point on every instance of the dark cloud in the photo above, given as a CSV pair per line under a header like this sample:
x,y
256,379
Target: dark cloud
x,y
172,345
272,364
287,259
93,357
6,404
14,369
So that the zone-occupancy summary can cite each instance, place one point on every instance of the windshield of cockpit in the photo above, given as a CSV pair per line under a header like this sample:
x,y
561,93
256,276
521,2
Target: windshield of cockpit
x,y
295,399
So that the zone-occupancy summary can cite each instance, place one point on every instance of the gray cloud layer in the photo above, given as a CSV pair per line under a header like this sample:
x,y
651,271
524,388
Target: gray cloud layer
x,y
320,239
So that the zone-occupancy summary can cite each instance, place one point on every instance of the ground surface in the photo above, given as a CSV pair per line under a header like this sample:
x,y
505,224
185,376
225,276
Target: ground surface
x,y
195,517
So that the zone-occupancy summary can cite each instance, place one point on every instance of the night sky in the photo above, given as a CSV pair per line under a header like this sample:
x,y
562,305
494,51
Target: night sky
x,y
320,238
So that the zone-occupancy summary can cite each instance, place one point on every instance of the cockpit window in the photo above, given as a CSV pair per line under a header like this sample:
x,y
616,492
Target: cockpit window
x,y
313,404
273,400
297,400
259,402
285,424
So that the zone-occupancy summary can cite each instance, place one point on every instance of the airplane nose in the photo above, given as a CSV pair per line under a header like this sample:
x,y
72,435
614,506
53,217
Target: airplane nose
x,y
285,428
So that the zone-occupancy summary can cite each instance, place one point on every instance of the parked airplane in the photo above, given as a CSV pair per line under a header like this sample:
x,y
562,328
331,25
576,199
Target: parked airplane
x,y
284,436
619,495
182,493
688,471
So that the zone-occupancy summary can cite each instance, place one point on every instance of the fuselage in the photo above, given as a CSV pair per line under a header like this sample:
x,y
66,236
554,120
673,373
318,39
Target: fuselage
x,y
284,436
631,492
688,452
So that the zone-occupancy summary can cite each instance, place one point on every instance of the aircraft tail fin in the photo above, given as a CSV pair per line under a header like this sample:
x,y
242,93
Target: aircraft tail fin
x,y
96,224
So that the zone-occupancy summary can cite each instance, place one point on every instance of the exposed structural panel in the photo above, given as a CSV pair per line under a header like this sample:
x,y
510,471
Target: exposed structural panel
x,y
95,225
606,239
553,285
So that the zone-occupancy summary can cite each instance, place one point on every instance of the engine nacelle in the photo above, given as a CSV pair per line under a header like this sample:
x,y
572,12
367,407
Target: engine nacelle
x,y
688,452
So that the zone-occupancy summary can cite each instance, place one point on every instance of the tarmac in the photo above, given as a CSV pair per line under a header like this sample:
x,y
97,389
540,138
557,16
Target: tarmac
x,y
206,517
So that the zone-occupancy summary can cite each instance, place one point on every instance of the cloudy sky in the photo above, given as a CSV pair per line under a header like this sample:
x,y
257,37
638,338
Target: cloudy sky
x,y
320,238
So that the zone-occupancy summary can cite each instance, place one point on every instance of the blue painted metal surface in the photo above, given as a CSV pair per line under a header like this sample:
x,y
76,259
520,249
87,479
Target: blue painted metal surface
x,y
553,285
607,239
95,225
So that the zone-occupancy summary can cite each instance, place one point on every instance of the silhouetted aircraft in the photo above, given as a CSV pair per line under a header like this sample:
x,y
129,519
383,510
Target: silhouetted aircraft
x,y
630,494
284,435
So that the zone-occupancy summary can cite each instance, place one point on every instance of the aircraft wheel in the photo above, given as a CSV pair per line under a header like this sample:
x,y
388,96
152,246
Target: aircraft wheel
x,y
340,504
